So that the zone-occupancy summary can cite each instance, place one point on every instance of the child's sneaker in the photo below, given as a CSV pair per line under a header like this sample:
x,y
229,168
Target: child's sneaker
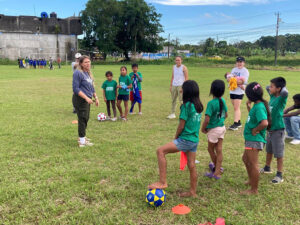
x,y
124,119
265,170
114,119
108,118
288,137
234,126
140,113
277,180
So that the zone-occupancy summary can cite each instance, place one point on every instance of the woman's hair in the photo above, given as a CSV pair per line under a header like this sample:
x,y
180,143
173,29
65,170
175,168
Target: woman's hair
x,y
123,67
191,94
81,59
217,89
108,73
255,93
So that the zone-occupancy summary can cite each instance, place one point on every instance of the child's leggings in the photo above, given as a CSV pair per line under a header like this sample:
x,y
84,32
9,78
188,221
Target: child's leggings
x,y
113,105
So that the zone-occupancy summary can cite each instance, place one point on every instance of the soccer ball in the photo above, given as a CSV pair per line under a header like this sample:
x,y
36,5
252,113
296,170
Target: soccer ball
x,y
101,117
155,197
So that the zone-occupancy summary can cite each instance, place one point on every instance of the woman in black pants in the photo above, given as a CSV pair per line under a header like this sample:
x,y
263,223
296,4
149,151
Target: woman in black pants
x,y
83,88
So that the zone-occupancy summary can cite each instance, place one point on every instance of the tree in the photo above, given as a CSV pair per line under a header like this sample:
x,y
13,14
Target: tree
x,y
100,25
123,26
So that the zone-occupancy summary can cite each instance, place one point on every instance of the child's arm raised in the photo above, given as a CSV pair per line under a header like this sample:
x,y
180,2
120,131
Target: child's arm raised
x,y
263,124
180,128
205,123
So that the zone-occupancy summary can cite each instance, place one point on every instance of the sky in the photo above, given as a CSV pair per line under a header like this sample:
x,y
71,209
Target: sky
x,y
192,21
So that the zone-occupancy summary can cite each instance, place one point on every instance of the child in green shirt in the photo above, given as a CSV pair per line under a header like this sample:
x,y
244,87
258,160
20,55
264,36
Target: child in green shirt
x,y
276,135
213,126
125,84
186,138
109,94
254,133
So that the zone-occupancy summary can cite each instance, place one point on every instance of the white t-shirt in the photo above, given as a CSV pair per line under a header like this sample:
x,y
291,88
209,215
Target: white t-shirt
x,y
178,78
73,64
240,73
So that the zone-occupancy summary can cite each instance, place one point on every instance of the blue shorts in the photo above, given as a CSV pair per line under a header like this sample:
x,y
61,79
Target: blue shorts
x,y
123,97
185,146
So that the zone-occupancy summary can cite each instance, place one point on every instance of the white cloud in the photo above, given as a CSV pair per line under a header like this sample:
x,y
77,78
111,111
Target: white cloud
x,y
209,2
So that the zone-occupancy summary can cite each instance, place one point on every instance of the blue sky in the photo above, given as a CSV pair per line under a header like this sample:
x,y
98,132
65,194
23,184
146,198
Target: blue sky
x,y
192,21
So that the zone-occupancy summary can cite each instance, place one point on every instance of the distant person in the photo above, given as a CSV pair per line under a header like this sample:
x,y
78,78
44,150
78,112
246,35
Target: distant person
x,y
186,139
51,63
213,126
59,62
125,84
237,94
259,119
30,63
292,121
109,95
74,66
276,134
136,90
75,63
34,63
179,75
27,62
19,62
83,88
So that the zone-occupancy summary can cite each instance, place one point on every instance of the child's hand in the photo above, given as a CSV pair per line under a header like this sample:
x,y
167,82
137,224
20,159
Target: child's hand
x,y
118,86
105,100
204,130
254,132
248,104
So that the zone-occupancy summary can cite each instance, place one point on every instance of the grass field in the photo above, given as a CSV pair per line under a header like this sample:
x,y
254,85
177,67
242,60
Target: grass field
x,y
46,179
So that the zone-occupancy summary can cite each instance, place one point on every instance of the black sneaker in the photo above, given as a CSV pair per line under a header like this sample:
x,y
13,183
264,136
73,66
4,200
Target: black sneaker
x,y
234,126
239,125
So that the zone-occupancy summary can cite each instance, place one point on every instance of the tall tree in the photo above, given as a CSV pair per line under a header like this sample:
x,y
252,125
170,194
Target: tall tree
x,y
123,26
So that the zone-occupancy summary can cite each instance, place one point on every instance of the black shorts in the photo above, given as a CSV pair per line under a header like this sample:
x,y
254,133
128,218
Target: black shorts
x,y
123,97
234,96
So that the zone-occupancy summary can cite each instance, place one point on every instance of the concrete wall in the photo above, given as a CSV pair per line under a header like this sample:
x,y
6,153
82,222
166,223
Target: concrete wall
x,y
14,45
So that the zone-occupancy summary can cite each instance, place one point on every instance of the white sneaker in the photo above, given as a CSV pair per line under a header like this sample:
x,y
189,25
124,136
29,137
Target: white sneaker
x,y
140,113
288,137
171,116
295,142
108,118
87,143
114,119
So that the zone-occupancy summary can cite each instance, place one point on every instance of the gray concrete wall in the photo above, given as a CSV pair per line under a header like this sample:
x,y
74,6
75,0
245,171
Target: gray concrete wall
x,y
15,45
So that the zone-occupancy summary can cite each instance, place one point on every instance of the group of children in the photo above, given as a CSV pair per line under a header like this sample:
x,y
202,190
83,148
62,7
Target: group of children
x,y
34,63
129,88
263,117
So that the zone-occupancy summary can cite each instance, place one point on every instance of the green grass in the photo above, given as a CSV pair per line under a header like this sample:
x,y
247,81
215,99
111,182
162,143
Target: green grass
x,y
46,179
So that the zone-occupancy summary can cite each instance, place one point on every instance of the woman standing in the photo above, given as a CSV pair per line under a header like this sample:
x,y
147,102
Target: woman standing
x,y
83,88
237,94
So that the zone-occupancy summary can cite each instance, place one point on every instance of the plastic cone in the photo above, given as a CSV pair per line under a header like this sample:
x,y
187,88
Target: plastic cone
x,y
183,160
181,209
220,221
74,121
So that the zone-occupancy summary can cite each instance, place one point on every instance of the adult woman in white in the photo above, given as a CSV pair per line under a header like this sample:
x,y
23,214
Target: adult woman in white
x,y
236,95
179,75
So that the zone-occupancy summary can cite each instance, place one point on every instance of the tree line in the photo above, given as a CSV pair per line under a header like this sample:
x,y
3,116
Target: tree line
x,y
117,27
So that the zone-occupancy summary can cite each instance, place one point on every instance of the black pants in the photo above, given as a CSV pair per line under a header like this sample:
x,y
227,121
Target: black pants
x,y
113,105
83,114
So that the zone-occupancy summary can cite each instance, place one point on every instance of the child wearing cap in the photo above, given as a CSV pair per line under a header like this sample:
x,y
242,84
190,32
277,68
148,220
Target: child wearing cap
x,y
236,95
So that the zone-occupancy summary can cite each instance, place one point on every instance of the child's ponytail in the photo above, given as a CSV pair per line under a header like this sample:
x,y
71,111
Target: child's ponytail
x,y
221,107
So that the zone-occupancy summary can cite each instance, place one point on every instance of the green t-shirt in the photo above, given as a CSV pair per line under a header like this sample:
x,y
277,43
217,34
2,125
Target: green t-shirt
x,y
213,111
192,122
138,82
256,115
277,106
124,80
110,89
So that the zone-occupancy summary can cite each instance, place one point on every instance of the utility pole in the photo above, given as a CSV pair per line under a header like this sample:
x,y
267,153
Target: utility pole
x,y
169,46
276,42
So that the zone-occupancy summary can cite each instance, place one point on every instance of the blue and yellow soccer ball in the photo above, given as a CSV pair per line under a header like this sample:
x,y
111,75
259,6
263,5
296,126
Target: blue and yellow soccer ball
x,y
155,197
